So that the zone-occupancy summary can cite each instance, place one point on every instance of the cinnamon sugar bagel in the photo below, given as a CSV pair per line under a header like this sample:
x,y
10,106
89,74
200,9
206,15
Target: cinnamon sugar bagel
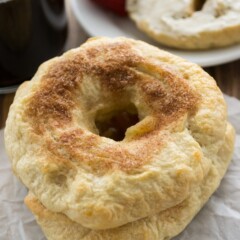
x,y
160,226
55,140
188,24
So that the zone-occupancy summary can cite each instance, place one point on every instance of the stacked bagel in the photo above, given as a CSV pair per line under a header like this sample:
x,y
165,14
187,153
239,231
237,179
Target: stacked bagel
x,y
188,24
150,184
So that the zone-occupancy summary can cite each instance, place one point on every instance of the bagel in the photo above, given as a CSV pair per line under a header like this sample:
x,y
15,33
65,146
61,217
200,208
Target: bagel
x,y
160,226
190,24
60,154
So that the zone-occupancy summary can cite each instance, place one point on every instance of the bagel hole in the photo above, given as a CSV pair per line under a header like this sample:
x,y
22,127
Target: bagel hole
x,y
198,5
113,123
195,6
58,180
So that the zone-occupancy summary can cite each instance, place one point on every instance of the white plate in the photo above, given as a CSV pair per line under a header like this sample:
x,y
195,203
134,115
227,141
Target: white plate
x,y
98,22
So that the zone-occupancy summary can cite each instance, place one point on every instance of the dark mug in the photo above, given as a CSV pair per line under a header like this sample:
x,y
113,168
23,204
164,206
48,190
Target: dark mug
x,y
31,31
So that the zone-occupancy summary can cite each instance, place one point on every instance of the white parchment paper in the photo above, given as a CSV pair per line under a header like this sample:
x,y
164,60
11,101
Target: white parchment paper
x,y
218,220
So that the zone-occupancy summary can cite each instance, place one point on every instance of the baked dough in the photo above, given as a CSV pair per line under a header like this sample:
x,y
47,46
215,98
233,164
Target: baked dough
x,y
188,24
53,142
161,226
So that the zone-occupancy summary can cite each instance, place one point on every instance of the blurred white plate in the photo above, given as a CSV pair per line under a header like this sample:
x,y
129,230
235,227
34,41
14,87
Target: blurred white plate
x,y
98,22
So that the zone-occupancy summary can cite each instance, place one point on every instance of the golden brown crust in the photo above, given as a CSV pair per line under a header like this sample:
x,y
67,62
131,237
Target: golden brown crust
x,y
121,68
100,183
50,107
160,226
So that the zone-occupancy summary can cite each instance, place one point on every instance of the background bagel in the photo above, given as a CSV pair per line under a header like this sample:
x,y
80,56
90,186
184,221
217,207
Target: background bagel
x,y
54,143
190,24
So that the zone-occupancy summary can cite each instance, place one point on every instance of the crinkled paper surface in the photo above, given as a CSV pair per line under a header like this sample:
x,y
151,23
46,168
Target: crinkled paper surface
x,y
218,220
